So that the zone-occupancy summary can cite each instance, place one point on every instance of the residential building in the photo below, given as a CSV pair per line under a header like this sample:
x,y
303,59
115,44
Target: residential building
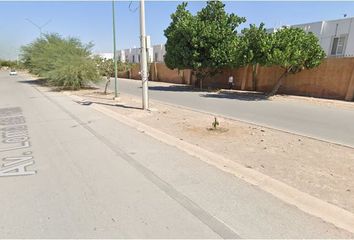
x,y
159,52
335,36
132,55
120,55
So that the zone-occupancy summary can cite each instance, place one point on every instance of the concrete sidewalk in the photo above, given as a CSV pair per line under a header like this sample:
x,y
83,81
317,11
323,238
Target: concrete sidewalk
x,y
97,178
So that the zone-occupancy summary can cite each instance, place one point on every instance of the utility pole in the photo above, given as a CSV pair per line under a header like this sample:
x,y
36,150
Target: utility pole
x,y
114,52
143,60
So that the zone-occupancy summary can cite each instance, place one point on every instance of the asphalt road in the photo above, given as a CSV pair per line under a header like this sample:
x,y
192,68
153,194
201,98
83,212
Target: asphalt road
x,y
327,123
68,171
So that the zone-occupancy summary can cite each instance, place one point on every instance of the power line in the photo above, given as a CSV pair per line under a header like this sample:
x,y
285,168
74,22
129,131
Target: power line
x,y
40,27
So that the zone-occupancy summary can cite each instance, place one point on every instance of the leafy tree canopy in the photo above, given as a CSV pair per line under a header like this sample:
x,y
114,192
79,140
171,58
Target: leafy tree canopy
x,y
8,63
179,45
293,49
204,42
106,66
255,45
65,62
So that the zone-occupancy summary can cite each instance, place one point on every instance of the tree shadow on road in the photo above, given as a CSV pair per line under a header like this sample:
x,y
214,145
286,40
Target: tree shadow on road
x,y
174,88
38,82
242,96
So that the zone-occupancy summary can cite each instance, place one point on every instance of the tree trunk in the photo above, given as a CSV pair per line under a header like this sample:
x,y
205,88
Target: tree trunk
x,y
106,86
244,77
278,83
205,76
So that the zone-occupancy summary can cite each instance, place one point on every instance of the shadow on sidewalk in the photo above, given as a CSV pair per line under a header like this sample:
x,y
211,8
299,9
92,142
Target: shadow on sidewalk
x,y
44,83
243,96
88,102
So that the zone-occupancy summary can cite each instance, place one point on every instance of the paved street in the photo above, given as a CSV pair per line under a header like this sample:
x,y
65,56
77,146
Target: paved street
x,y
322,122
68,171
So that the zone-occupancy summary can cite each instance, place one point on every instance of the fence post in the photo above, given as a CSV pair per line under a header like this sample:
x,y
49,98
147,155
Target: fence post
x,y
244,78
350,92
254,78
187,73
155,72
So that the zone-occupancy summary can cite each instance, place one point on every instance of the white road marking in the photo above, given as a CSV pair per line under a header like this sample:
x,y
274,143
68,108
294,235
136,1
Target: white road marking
x,y
15,160
15,134
17,170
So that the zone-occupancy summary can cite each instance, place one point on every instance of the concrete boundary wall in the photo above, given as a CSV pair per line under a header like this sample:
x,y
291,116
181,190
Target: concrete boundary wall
x,y
333,79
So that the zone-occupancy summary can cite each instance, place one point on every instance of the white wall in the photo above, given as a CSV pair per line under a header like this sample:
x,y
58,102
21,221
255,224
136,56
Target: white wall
x,y
120,55
315,27
350,42
133,55
327,30
159,52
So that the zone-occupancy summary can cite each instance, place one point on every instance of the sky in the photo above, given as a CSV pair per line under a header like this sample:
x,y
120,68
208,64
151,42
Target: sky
x,y
92,21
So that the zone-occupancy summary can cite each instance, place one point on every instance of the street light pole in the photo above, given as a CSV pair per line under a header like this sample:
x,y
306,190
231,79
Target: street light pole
x,y
114,52
143,60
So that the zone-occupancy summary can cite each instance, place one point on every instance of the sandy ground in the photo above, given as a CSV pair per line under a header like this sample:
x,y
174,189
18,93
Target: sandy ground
x,y
319,168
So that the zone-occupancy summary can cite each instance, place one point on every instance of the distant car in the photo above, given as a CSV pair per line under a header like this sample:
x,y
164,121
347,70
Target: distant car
x,y
13,72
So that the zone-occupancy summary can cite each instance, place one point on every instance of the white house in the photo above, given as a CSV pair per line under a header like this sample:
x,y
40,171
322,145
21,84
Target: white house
x,y
132,55
159,52
336,36
155,53
120,55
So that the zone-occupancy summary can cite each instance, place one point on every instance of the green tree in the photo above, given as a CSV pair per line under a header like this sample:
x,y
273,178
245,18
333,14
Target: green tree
x,y
294,50
8,63
105,66
65,62
179,34
254,48
205,42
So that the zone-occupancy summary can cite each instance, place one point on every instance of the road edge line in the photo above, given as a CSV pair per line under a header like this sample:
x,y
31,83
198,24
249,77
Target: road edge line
x,y
290,195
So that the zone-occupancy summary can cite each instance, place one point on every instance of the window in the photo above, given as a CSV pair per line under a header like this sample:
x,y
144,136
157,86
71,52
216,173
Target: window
x,y
133,58
156,57
139,57
338,46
